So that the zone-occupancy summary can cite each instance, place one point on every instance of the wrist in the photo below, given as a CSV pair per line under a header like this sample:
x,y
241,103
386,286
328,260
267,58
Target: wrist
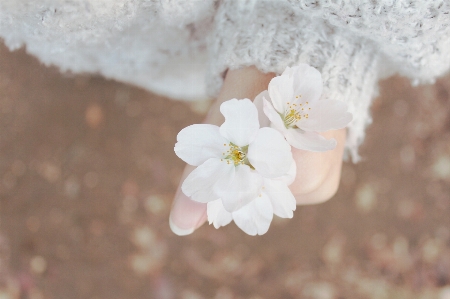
x,y
241,83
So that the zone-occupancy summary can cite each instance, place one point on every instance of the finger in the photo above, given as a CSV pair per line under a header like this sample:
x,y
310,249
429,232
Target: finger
x,y
318,173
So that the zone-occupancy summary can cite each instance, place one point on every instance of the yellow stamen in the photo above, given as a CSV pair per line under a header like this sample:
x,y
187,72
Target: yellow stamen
x,y
236,155
293,114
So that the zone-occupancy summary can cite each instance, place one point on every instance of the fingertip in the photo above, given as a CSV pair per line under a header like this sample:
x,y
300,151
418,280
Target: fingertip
x,y
179,231
186,215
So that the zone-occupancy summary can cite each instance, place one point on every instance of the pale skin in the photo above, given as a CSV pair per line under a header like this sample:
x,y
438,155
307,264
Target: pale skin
x,y
318,174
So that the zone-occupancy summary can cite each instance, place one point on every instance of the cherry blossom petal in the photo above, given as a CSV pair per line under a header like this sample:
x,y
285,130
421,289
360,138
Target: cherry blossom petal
x,y
310,141
307,82
326,115
198,143
241,121
289,177
273,116
264,121
288,71
238,187
199,183
217,215
255,217
281,197
281,92
270,154
205,195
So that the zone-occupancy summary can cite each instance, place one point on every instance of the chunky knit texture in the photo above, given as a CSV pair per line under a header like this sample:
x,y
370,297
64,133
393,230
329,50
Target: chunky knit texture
x,y
182,49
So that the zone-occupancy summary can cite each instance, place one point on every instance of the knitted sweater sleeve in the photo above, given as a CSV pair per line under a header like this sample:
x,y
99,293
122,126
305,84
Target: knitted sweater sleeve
x,y
352,43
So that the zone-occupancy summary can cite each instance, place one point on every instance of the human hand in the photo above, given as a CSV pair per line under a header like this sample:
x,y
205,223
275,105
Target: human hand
x,y
318,173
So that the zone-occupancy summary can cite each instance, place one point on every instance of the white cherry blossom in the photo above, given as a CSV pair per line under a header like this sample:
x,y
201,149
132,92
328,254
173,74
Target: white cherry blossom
x,y
293,106
232,160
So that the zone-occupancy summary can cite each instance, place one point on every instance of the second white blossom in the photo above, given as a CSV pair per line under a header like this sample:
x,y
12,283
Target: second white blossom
x,y
293,105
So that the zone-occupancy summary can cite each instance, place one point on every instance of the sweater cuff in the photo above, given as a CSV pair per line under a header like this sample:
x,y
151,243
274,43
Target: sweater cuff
x,y
271,37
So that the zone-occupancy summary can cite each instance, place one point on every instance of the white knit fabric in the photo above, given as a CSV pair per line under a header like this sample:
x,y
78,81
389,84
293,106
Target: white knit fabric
x,y
182,49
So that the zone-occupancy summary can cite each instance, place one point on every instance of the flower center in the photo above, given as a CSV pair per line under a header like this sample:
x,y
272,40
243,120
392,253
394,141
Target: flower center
x,y
294,113
236,155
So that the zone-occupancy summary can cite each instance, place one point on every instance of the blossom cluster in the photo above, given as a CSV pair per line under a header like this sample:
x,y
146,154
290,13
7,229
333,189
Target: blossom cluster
x,y
244,167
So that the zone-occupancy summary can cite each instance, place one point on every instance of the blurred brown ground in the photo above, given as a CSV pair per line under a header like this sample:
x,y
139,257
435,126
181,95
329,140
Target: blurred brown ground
x,y
87,175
